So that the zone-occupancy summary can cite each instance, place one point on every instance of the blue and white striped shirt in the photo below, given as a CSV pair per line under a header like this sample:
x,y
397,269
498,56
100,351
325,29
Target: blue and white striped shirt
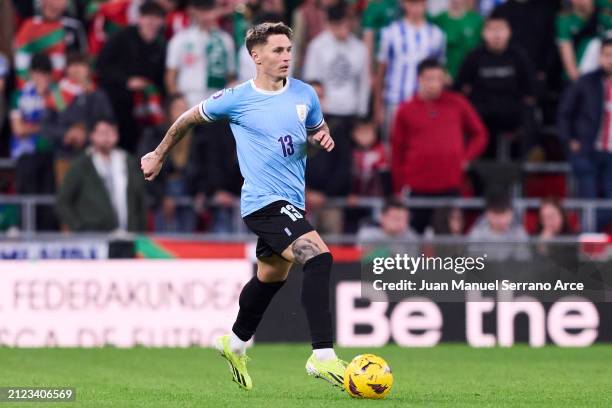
x,y
402,47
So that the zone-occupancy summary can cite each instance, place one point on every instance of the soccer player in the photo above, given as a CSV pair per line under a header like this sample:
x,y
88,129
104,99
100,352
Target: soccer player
x,y
274,118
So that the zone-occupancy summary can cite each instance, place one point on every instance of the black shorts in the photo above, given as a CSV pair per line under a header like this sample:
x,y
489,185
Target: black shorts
x,y
277,225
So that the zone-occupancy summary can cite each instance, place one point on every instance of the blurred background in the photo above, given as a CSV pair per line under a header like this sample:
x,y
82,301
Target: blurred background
x,y
513,143
98,78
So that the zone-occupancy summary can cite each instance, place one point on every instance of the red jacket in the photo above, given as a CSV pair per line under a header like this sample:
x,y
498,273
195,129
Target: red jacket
x,y
432,141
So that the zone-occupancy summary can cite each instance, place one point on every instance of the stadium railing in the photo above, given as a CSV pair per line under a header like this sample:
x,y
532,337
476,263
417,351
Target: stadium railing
x,y
587,208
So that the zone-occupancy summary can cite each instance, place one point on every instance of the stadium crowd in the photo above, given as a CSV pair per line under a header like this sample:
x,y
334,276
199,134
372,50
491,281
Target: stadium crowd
x,y
437,98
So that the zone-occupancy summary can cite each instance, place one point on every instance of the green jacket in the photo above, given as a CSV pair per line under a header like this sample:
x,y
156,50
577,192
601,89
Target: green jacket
x,y
84,204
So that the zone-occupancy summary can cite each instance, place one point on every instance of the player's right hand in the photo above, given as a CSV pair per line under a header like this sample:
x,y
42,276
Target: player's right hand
x,y
323,139
151,164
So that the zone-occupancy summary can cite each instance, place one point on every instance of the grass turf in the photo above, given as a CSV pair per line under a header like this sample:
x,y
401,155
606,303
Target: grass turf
x,y
444,376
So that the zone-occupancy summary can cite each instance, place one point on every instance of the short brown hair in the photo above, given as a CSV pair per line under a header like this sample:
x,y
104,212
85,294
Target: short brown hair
x,y
260,33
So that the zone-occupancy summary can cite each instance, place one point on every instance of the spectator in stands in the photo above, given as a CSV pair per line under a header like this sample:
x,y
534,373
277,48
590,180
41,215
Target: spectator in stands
x,y
533,28
552,220
553,224
462,28
103,190
435,137
498,232
499,81
338,60
578,32
110,17
309,20
585,126
29,147
50,33
78,105
176,177
131,70
403,45
200,59
448,221
377,15
370,173
393,232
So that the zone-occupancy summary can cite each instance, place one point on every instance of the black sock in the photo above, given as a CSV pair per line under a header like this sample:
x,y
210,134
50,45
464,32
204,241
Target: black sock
x,y
315,299
254,300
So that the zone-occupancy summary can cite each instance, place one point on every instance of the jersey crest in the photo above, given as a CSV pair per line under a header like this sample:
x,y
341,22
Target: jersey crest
x,y
302,110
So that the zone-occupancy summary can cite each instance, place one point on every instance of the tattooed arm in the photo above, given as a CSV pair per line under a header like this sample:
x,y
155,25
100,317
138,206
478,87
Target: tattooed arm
x,y
321,138
151,163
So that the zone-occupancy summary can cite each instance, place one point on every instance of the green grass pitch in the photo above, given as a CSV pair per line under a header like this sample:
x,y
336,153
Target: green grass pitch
x,y
445,376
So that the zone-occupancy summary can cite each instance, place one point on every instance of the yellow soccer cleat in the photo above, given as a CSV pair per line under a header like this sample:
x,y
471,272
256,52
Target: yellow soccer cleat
x,y
236,362
331,371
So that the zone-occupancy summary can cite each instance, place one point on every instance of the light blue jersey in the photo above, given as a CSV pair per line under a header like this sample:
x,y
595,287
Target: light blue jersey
x,y
270,131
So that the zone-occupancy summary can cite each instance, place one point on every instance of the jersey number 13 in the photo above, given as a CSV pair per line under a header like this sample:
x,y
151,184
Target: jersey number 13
x,y
287,145
291,212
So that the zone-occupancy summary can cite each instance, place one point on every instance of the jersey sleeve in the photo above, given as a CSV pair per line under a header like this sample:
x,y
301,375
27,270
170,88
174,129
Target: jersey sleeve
x,y
314,119
218,106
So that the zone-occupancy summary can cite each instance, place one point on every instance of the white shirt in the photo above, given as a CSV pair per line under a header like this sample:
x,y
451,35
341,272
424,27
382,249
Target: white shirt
x,y
114,174
187,54
342,68
402,47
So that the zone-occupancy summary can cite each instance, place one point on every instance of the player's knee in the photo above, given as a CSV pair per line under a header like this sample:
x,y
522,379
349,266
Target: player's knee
x,y
305,249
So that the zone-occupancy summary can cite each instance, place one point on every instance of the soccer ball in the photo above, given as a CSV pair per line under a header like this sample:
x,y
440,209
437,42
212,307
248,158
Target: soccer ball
x,y
368,376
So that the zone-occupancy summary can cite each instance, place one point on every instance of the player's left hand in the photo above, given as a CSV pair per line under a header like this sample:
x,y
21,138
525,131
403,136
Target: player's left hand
x,y
323,139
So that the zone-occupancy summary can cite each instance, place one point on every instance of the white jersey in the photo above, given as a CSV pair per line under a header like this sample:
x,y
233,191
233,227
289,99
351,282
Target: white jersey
x,y
402,47
202,60
342,67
